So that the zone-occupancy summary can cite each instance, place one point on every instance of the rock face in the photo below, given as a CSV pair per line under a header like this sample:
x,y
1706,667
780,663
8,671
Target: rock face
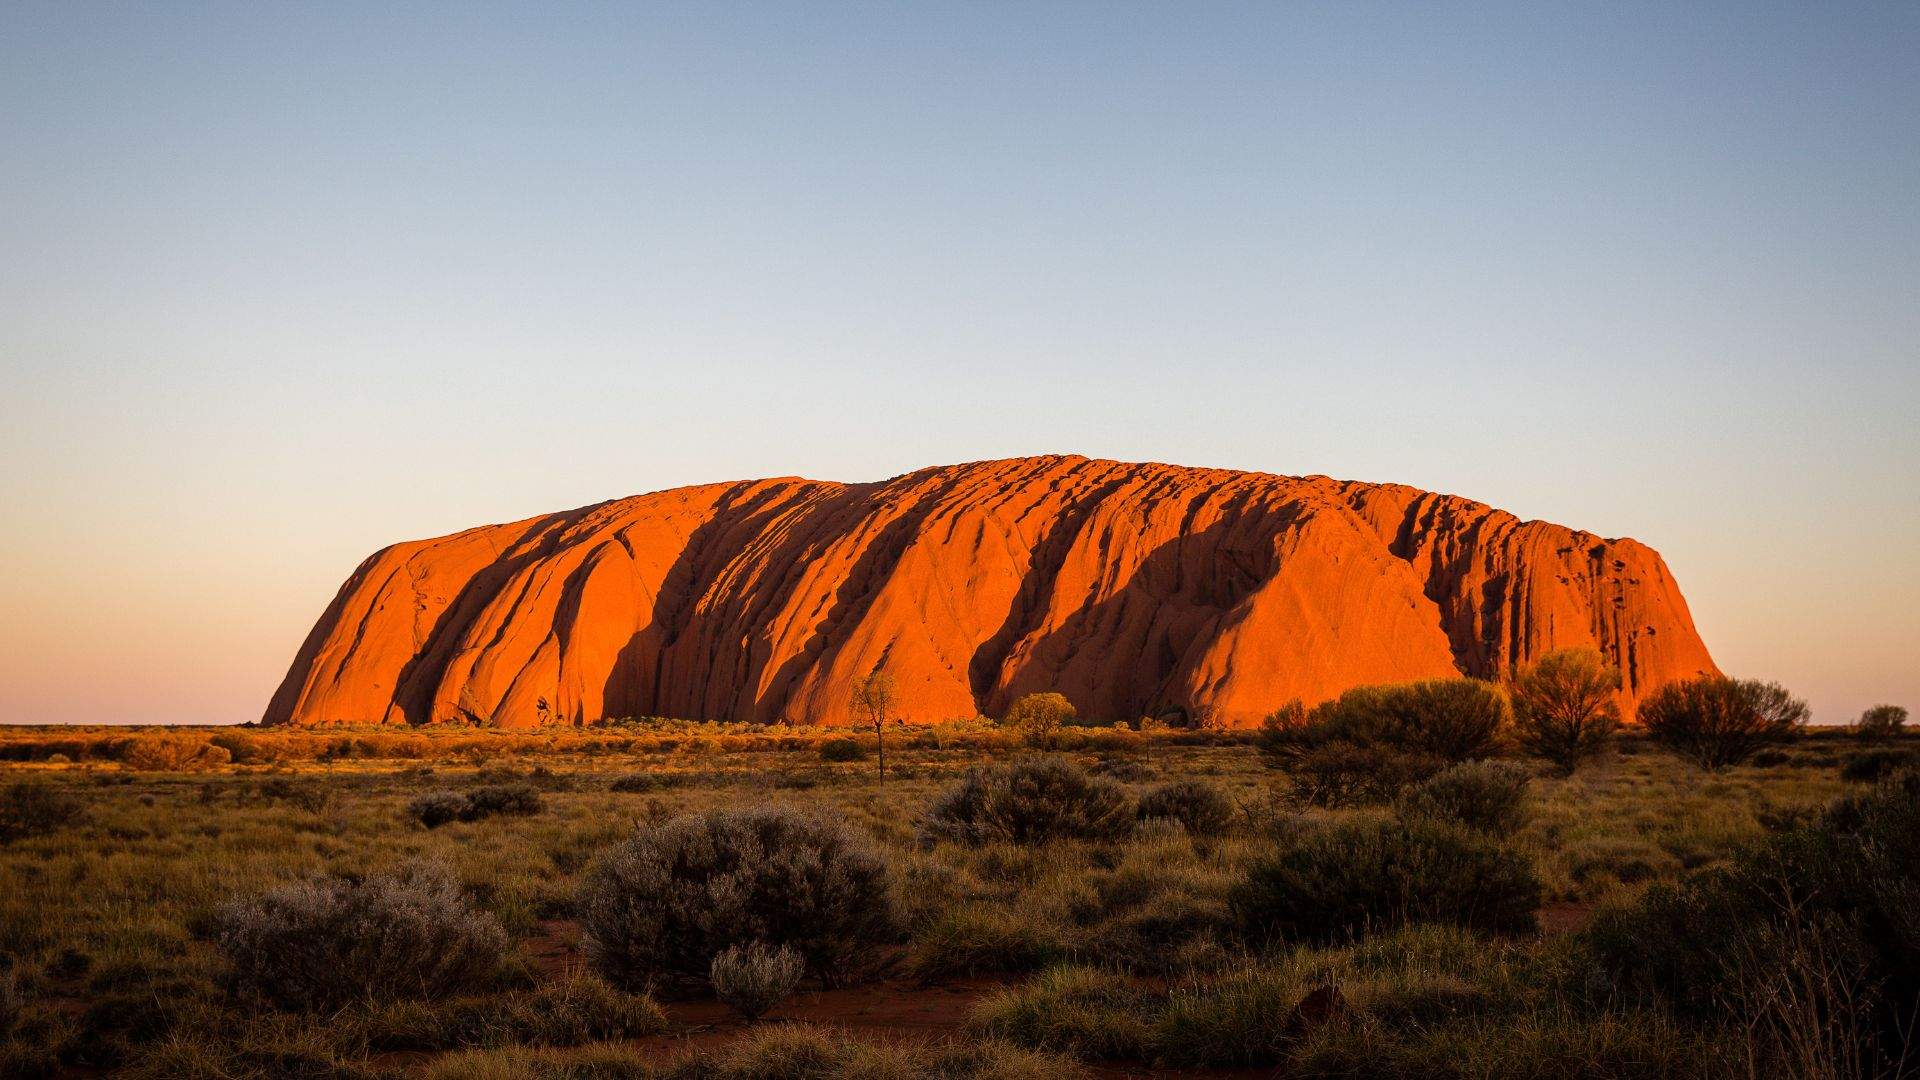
x,y
1198,594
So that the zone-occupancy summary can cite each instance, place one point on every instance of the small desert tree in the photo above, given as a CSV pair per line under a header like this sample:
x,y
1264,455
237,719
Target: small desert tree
x,y
1716,721
1565,706
874,698
1038,717
1881,722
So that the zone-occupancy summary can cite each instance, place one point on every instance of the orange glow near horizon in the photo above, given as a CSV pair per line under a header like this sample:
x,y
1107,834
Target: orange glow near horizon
x,y
282,284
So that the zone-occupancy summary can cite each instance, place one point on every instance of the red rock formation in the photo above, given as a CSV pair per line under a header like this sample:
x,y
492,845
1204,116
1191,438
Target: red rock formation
x,y
1132,589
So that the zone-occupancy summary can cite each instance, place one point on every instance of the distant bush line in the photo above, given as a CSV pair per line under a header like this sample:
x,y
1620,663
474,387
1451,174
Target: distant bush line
x,y
190,749
193,749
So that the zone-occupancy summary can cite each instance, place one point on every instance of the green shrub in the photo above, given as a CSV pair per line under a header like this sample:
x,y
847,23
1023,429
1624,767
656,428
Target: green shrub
x,y
1566,706
1486,796
1340,773
1450,720
842,750
1030,802
1715,721
662,904
1370,742
28,809
1202,807
1039,717
324,942
1881,722
1336,882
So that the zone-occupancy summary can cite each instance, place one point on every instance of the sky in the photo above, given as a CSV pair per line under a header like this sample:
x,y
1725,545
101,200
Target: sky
x,y
281,284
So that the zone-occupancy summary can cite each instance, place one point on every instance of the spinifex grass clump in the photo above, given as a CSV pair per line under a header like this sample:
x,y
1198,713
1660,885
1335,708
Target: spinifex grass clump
x,y
574,1009
662,904
803,1052
324,942
1087,1011
1030,802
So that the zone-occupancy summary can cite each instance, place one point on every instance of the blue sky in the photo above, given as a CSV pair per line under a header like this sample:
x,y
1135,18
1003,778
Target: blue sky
x,y
280,284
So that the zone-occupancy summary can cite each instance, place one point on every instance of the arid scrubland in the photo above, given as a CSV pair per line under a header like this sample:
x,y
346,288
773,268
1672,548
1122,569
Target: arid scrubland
x,y
1007,904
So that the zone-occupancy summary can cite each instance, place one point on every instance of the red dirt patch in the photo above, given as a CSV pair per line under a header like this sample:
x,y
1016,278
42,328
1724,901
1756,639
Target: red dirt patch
x,y
1565,918
892,1011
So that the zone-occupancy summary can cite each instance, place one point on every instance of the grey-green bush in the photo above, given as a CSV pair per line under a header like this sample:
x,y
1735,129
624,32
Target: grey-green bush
x,y
1337,882
663,903
324,942
1028,802
514,799
753,978
437,808
1486,796
1202,807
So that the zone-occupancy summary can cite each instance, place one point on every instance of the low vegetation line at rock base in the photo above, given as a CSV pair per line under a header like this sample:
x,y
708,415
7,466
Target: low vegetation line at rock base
x,y
507,906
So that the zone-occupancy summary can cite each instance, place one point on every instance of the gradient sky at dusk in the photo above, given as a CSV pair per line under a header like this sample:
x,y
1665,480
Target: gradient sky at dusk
x,y
280,284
